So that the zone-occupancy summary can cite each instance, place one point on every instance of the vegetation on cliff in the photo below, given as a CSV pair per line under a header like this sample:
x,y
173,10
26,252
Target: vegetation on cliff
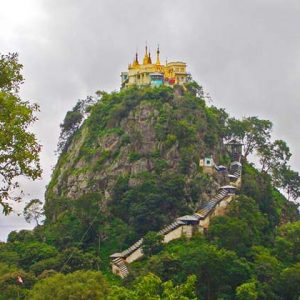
x,y
245,248
134,165
128,165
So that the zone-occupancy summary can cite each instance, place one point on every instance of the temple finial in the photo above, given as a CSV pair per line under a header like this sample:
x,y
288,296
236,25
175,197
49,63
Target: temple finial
x,y
135,60
146,57
157,55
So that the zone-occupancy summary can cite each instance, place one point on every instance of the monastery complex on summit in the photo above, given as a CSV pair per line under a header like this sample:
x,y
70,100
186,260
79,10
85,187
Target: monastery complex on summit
x,y
154,74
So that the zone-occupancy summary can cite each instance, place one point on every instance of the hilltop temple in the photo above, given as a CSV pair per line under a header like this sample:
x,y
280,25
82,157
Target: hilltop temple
x,y
154,74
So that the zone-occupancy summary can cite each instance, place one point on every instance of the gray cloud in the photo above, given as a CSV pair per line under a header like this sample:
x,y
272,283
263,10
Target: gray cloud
x,y
244,53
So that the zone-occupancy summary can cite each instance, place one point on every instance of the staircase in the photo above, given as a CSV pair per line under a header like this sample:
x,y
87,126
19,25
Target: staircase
x,y
188,223
171,227
120,264
236,156
206,208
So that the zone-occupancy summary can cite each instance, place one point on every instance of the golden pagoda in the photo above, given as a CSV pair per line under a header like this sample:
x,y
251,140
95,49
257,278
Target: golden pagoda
x,y
154,74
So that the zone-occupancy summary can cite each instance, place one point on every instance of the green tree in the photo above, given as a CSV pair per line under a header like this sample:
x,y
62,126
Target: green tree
x,y
243,226
231,233
19,149
73,259
288,180
290,282
251,131
185,291
195,89
9,255
33,252
246,291
273,155
287,242
218,271
10,73
152,243
33,210
20,236
259,187
151,204
150,287
78,285
69,260
25,254
72,122
68,223
12,288
266,270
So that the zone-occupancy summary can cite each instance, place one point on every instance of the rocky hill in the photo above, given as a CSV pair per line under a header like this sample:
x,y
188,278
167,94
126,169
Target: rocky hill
x,y
136,138
128,171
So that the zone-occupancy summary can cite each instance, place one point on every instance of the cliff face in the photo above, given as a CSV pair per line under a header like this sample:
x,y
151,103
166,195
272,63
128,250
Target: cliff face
x,y
135,134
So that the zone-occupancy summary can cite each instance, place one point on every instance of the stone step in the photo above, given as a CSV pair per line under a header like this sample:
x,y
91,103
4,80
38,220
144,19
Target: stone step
x,y
204,210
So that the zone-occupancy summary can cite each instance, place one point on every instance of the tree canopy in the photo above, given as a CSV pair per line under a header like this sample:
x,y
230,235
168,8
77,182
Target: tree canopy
x,y
251,131
33,211
19,149
78,285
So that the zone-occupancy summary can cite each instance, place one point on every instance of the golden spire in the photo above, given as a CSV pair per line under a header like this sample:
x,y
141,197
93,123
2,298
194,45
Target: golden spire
x,y
157,56
146,57
149,58
136,61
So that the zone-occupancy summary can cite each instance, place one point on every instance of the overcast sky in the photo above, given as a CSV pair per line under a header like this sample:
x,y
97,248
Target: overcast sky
x,y
246,54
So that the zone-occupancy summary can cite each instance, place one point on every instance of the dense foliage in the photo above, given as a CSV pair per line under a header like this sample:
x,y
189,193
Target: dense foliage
x,y
184,127
19,149
78,285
